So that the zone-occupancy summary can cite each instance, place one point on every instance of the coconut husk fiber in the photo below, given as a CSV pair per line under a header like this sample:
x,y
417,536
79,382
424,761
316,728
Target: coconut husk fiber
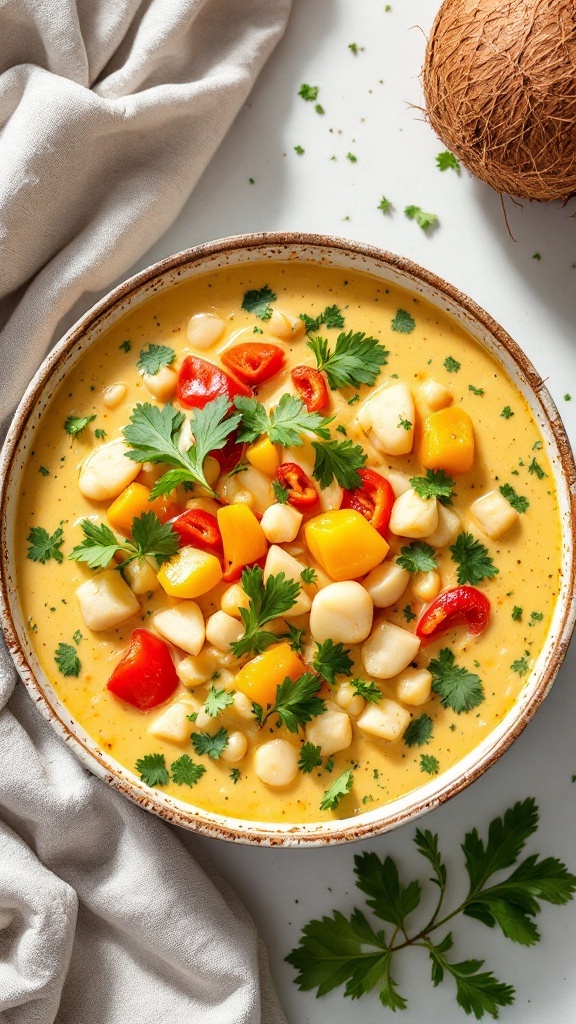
x,y
500,90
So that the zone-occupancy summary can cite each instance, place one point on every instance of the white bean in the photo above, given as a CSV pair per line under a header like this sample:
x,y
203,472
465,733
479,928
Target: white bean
x,y
331,731
204,329
106,601
107,471
386,584
388,650
343,612
276,762
426,585
113,395
161,385
236,747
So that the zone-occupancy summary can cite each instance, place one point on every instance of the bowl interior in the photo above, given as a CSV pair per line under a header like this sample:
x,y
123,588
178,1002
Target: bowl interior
x,y
387,268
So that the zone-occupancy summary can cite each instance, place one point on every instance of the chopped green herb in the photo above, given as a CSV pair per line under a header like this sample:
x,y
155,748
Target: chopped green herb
x,y
125,346
285,423
405,424
299,149
367,689
308,92
74,425
385,205
67,660
535,617
436,484
266,602
330,317
217,701
43,547
150,537
447,161
517,613
296,703
341,429
331,659
152,770
319,109
211,746
295,638
235,775
472,558
340,460
567,398
44,470
353,159
457,688
329,766
340,788
309,758
521,664
356,359
353,400
520,503
429,764
257,301
536,469
185,772
408,614
418,557
475,391
506,412
452,365
423,219
403,322
100,433
308,575
280,493
355,49
419,731
536,256
77,637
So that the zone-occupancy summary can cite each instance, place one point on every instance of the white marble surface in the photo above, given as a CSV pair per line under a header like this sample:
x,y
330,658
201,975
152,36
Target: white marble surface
x,y
371,102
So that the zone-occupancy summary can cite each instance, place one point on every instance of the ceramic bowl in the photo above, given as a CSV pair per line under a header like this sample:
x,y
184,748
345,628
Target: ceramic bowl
x,y
388,268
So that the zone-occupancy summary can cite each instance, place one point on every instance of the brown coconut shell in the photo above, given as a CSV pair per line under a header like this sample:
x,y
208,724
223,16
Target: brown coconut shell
x,y
500,90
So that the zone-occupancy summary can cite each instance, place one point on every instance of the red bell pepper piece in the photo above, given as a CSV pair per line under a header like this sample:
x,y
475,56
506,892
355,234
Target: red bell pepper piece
x,y
198,528
311,387
374,499
302,493
145,676
457,607
201,381
229,456
254,362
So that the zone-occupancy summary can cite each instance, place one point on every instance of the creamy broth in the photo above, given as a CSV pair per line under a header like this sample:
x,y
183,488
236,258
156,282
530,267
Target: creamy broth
x,y
527,556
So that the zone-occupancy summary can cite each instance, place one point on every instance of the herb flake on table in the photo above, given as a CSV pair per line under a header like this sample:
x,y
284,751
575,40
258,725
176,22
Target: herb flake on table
x,y
385,205
424,220
309,93
446,161
339,950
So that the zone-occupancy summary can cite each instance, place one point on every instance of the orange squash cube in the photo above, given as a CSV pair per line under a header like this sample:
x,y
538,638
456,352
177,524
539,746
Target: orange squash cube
x,y
260,677
190,573
344,543
448,441
242,537
132,502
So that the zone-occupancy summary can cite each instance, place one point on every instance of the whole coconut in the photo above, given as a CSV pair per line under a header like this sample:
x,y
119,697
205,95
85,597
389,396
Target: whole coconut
x,y
500,90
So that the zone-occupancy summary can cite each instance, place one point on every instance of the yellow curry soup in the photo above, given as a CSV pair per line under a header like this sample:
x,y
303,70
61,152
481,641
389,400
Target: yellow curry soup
x,y
368,710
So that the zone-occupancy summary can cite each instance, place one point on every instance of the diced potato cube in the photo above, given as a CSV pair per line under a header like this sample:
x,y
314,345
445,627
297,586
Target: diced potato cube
x,y
281,523
331,731
413,516
182,625
494,514
414,686
107,471
388,418
386,584
106,601
190,573
344,543
277,561
341,612
222,630
386,720
388,650
449,526
276,762
173,723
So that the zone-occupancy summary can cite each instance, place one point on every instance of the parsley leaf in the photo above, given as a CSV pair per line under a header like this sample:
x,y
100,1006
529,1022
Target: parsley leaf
x,y
340,459
356,359
295,638
452,365
308,92
67,660
296,702
309,758
518,501
408,614
212,746
280,493
285,423
423,220
74,425
521,665
43,547
447,161
368,690
331,660
472,558
217,701
150,538
340,788
429,764
125,346
536,469
419,731
436,484
154,357
506,412
266,602
475,391
417,557
457,688
152,770
154,435
308,575
257,301
331,317
185,772
385,205
516,613
403,323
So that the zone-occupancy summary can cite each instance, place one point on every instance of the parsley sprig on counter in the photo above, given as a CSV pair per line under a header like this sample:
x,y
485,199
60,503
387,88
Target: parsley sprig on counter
x,y
267,601
149,537
296,703
339,950
355,359
154,433
285,423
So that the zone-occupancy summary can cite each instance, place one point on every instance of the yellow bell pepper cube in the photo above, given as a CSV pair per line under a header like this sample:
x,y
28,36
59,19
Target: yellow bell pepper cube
x,y
242,536
263,455
132,502
448,441
260,677
344,543
190,573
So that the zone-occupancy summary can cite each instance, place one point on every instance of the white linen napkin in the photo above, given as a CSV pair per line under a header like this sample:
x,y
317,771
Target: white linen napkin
x,y
109,112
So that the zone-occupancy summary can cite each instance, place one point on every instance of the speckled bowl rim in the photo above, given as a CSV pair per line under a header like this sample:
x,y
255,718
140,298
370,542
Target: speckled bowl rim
x,y
404,273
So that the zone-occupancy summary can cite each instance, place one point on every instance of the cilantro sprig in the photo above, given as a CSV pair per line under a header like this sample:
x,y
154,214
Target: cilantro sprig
x,y
150,537
331,316
154,771
351,951
44,546
266,602
284,425
257,301
340,460
296,703
472,558
517,501
153,358
355,360
332,659
436,484
67,660
418,557
74,425
457,688
341,787
154,433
